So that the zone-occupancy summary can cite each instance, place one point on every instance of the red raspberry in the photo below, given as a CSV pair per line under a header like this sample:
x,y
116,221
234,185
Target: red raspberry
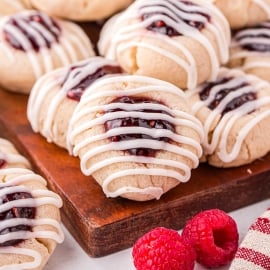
x,y
163,249
214,236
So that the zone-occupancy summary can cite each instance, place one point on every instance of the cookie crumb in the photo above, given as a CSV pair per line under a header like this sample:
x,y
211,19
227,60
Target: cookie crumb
x,y
249,171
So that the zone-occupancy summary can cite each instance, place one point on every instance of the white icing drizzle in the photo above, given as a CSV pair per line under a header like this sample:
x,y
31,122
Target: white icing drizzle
x,y
12,158
251,36
65,48
47,84
229,119
14,182
175,117
173,13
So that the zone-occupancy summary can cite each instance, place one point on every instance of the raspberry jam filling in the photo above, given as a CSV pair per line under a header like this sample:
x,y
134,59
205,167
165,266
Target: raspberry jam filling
x,y
16,212
76,91
2,163
261,31
174,14
223,92
137,122
31,32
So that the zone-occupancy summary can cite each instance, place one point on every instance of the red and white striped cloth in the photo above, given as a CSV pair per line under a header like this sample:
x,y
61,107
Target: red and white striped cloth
x,y
254,251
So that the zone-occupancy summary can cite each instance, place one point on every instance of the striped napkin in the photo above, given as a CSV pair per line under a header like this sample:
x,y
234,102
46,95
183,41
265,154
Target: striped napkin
x,y
254,251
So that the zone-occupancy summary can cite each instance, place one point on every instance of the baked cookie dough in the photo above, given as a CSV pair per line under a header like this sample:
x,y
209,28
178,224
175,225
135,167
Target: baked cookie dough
x,y
56,94
81,10
250,50
8,7
182,42
32,44
235,113
244,13
10,157
29,222
136,136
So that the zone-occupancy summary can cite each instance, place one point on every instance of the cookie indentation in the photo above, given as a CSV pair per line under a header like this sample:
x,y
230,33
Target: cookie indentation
x,y
27,32
217,91
15,213
153,124
165,18
2,163
78,79
255,39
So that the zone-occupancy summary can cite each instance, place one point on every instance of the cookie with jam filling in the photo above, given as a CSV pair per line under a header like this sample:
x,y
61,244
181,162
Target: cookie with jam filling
x,y
180,41
136,136
29,220
235,113
55,96
250,50
33,43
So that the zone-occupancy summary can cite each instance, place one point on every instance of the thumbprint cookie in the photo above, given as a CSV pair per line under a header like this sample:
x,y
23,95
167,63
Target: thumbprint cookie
x,y
33,43
250,50
235,113
29,220
56,94
183,42
136,136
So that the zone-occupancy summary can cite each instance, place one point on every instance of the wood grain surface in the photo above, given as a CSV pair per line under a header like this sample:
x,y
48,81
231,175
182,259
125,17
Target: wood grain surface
x,y
102,225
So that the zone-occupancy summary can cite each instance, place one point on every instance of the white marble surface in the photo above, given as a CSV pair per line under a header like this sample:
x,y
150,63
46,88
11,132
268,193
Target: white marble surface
x,y
70,256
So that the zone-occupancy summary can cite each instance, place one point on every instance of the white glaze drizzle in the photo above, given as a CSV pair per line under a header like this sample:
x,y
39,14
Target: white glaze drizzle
x,y
225,124
14,182
65,48
12,158
47,84
124,36
250,36
175,117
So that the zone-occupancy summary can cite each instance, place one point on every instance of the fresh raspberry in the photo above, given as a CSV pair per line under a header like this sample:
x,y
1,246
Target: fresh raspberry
x,y
214,235
163,249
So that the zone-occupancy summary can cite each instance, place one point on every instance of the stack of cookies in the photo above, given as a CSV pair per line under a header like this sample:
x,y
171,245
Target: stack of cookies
x,y
170,84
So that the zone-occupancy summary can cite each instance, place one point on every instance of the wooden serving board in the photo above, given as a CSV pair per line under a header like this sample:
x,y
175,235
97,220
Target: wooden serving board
x,y
102,225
